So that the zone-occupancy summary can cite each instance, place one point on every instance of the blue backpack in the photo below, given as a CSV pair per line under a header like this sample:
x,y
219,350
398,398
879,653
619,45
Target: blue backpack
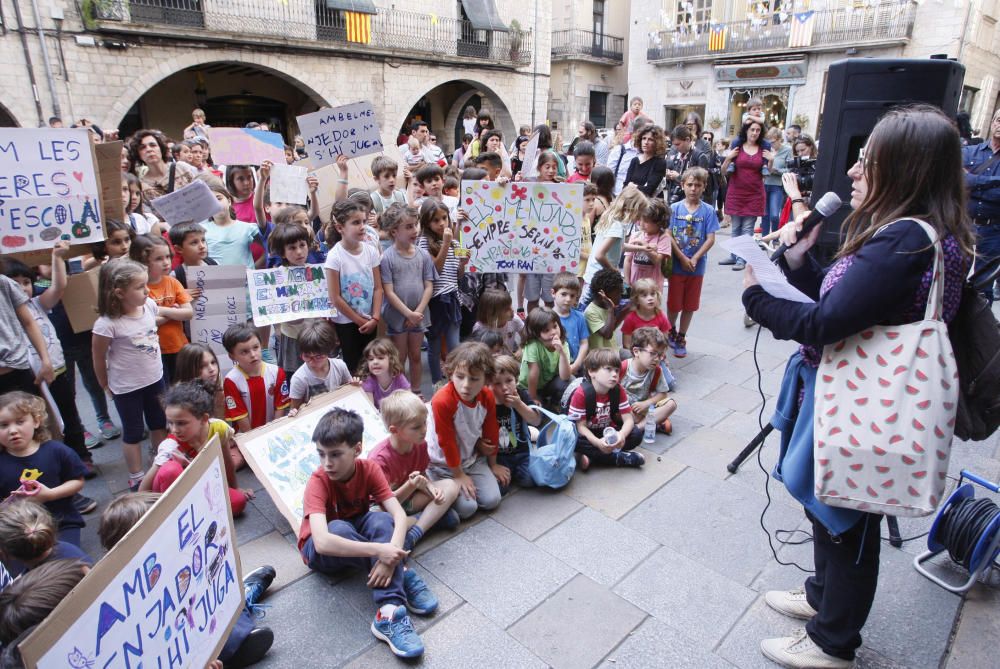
x,y
552,460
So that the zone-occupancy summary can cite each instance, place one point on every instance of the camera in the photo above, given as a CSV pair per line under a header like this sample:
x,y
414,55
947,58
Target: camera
x,y
805,172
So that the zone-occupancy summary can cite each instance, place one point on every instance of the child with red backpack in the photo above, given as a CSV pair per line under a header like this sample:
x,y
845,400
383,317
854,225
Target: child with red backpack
x,y
644,382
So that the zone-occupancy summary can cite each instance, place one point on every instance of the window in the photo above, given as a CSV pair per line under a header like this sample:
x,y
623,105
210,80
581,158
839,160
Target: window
x,y
598,17
968,99
694,14
598,109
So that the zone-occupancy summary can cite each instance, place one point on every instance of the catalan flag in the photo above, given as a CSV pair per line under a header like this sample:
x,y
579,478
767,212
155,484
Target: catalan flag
x,y
717,37
359,27
801,33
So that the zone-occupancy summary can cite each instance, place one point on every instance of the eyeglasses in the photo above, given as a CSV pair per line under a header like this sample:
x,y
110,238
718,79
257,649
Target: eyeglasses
x,y
653,354
313,356
861,158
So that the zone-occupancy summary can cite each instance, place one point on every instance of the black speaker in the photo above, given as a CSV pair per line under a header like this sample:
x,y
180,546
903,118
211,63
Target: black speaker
x,y
858,92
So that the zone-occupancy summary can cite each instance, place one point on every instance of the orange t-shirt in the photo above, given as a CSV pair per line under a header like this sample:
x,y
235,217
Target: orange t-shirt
x,y
170,293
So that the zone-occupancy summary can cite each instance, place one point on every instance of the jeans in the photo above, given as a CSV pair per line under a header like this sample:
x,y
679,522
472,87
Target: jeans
x,y
517,463
742,225
599,457
487,488
775,201
446,315
77,351
987,248
241,630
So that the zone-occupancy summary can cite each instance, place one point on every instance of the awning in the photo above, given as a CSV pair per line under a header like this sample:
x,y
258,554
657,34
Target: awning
x,y
483,15
357,6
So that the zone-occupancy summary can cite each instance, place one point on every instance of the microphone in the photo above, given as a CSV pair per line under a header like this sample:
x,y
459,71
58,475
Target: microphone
x,y
827,206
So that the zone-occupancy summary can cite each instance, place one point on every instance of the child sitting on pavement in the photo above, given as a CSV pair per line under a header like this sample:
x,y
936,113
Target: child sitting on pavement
x,y
645,383
514,415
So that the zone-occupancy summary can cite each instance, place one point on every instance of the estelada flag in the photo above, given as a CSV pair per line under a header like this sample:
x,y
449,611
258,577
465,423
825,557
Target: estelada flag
x,y
717,37
801,33
359,27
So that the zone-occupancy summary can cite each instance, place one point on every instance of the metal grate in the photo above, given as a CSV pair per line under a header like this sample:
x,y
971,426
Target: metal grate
x,y
568,43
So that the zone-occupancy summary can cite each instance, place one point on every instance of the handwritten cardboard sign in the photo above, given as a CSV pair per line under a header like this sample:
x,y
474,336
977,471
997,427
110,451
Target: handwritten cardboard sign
x,y
48,189
282,294
223,302
282,453
194,202
359,175
288,184
351,130
246,146
522,227
166,595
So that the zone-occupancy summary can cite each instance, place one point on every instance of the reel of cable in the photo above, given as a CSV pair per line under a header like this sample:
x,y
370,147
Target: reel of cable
x,y
962,526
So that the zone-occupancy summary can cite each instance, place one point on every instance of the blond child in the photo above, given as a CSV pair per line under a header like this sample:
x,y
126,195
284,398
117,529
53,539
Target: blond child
x,y
646,312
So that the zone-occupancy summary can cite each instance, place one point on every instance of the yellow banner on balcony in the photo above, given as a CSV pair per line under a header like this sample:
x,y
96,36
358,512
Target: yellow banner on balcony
x,y
717,37
801,33
359,27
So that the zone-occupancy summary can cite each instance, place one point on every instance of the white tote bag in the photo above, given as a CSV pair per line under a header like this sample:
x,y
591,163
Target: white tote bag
x,y
885,405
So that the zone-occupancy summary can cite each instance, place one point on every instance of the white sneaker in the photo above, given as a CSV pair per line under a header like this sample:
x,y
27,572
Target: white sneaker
x,y
791,603
801,652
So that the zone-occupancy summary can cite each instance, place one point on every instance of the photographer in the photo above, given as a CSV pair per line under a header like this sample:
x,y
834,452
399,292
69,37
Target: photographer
x,y
798,180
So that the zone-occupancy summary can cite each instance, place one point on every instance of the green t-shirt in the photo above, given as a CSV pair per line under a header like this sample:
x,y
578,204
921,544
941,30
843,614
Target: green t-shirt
x,y
547,360
596,319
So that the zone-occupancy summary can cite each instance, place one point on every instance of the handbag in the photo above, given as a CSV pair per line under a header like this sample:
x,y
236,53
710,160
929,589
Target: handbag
x,y
885,406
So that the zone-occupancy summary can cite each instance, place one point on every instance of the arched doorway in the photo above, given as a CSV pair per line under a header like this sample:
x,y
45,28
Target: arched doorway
x,y
7,119
442,108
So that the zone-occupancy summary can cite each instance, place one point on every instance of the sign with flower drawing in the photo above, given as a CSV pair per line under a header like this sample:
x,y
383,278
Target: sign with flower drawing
x,y
522,227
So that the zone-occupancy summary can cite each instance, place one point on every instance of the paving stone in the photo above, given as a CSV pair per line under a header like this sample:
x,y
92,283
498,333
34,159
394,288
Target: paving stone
x,y
274,550
438,537
595,545
979,622
721,369
736,398
614,491
750,475
686,595
682,427
496,570
723,535
245,478
767,360
601,619
743,425
263,503
769,381
700,344
709,450
656,644
693,385
703,412
533,511
676,363
253,524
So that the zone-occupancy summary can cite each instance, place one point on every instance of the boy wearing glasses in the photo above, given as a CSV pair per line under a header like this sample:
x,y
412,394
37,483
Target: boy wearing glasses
x,y
644,382
320,373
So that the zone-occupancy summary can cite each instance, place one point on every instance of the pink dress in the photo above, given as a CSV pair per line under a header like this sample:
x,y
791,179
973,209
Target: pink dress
x,y
642,267
745,194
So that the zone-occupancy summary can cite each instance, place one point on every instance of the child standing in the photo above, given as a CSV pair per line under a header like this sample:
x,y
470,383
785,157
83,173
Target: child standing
x,y
604,314
644,382
172,301
291,242
465,429
545,362
354,281
692,234
34,467
385,170
256,391
536,286
132,200
229,239
608,233
446,313
566,294
645,311
381,371
408,281
599,403
118,240
404,461
339,532
649,245
320,373
189,240
127,360
495,313
514,415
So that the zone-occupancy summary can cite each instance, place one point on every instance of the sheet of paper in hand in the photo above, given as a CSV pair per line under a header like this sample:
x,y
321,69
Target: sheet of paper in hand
x,y
246,146
282,294
223,302
351,130
288,184
195,202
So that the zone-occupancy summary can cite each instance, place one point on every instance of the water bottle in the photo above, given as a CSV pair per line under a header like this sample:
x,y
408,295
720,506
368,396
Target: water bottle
x,y
649,433
610,436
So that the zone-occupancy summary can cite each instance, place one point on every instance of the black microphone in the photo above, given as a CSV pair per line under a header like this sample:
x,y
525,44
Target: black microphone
x,y
827,206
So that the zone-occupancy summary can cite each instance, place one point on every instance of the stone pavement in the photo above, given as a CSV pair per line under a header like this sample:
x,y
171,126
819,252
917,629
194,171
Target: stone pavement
x,y
660,567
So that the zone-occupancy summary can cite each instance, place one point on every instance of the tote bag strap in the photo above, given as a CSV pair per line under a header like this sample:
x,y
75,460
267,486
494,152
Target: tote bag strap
x,y
935,296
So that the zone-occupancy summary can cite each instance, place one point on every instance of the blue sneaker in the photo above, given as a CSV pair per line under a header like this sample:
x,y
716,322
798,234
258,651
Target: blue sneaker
x,y
398,632
419,598
255,583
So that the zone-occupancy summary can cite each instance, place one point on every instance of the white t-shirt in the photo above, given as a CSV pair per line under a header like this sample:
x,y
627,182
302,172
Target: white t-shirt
x,y
134,354
614,253
357,279
306,385
49,335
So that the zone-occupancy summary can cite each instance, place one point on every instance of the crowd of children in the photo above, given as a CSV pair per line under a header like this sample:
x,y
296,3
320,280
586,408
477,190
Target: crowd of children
x,y
396,275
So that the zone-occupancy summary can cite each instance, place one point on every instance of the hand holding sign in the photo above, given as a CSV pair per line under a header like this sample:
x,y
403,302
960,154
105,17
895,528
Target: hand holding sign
x,y
288,184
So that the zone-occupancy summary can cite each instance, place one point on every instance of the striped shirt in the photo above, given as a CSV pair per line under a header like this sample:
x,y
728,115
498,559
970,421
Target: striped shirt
x,y
257,397
446,280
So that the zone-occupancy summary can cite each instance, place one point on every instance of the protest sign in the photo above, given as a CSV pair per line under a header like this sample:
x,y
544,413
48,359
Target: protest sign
x,y
48,189
529,169
80,299
194,202
246,146
522,227
282,294
282,453
288,184
109,178
351,130
223,302
359,175
167,595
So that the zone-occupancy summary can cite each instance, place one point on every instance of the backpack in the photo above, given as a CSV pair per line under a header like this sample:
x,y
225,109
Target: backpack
x,y
975,338
590,398
551,460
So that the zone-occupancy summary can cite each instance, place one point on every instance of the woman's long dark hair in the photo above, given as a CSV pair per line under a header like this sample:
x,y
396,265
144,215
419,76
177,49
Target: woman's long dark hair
x,y
746,129
900,186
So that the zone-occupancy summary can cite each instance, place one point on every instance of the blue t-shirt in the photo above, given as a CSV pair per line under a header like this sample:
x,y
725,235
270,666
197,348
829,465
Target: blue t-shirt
x,y
63,550
230,244
690,230
52,464
576,331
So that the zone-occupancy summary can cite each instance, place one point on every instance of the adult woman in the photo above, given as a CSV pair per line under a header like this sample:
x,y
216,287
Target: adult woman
x,y
745,193
882,276
588,132
648,168
693,123
773,189
492,140
804,147
161,176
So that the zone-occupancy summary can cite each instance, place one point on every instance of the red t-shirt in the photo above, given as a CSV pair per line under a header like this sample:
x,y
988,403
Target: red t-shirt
x,y
634,321
398,466
575,177
602,409
340,501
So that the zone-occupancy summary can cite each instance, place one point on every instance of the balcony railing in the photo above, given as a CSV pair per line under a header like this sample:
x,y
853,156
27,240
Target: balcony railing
x,y
311,20
570,44
886,23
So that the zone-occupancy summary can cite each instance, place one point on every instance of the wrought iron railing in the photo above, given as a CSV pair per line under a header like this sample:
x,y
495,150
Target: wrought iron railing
x,y
389,29
843,27
576,43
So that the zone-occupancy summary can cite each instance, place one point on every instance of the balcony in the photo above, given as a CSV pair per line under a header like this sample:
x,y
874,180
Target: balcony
x,y
588,46
311,24
886,24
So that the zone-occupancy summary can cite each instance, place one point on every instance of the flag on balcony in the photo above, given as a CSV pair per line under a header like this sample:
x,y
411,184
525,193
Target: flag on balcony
x,y
801,33
359,27
717,37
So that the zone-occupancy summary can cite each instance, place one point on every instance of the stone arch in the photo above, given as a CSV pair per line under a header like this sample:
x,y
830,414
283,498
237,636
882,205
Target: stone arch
x,y
7,118
268,63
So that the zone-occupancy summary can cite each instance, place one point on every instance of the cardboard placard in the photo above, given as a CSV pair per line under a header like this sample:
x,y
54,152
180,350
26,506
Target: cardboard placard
x,y
282,294
246,146
283,456
48,189
80,299
109,178
522,227
359,175
351,130
166,595
288,184
223,302
195,202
